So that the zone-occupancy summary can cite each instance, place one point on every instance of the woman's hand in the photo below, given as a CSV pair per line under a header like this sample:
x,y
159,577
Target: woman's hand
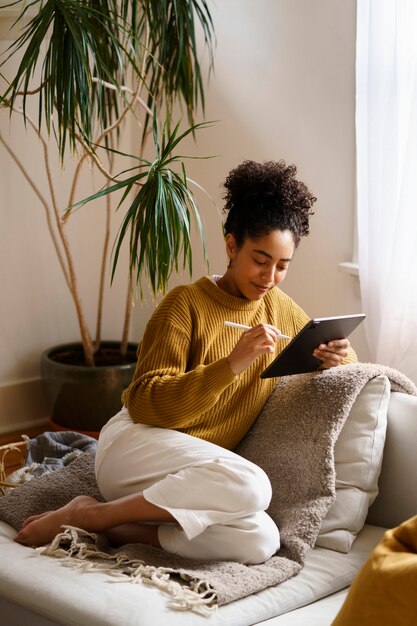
x,y
332,353
257,340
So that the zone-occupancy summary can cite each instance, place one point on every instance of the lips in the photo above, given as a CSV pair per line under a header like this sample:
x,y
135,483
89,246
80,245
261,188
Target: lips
x,y
260,288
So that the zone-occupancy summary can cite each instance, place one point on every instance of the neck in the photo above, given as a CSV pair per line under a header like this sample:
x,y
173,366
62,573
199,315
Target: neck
x,y
226,284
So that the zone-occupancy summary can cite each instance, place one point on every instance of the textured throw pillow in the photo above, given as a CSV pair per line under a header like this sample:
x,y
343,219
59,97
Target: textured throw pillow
x,y
384,591
358,458
50,491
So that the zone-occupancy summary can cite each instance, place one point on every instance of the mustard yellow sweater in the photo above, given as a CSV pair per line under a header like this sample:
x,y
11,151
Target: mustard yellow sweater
x,y
182,380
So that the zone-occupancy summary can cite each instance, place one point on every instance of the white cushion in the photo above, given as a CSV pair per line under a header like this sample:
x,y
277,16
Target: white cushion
x,y
397,497
68,596
358,458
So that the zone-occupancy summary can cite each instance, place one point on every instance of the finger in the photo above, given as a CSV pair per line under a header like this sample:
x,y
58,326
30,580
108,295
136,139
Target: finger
x,y
266,329
332,348
327,356
339,343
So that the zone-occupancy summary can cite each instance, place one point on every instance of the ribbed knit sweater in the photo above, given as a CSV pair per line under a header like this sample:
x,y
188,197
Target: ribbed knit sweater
x,y
182,379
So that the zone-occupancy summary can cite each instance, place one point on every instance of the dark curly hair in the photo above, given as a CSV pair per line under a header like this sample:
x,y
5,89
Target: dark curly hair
x,y
262,197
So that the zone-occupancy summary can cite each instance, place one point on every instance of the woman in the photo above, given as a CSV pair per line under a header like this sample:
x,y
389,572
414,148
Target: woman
x,y
165,463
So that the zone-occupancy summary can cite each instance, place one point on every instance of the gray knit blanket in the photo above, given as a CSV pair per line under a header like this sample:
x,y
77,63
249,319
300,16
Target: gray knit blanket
x,y
292,440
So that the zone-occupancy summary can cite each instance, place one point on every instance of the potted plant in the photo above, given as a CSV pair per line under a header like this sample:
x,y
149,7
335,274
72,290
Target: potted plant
x,y
98,64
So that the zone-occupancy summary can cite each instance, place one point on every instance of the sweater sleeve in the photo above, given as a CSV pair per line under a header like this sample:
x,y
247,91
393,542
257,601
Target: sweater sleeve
x,y
166,391
351,357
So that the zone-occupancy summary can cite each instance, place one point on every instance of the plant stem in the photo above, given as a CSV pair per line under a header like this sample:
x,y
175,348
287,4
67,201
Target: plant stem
x,y
127,90
87,152
107,132
65,259
103,266
85,334
129,296
45,206
128,316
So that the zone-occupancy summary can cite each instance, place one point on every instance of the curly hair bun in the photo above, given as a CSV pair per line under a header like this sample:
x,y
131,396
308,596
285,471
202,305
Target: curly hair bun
x,y
261,197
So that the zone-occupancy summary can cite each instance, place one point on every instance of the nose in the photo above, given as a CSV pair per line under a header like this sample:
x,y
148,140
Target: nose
x,y
268,274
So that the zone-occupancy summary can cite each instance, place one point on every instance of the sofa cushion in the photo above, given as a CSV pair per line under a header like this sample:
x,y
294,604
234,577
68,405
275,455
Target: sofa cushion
x,y
68,595
397,493
358,457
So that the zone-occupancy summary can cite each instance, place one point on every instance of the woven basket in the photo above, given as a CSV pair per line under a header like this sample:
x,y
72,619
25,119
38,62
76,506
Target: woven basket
x,y
19,447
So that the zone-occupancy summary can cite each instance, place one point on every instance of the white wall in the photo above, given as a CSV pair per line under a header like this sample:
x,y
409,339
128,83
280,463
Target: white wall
x,y
36,310
283,87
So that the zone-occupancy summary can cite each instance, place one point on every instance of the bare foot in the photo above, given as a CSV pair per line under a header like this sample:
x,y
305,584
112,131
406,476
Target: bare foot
x,y
34,517
38,530
85,512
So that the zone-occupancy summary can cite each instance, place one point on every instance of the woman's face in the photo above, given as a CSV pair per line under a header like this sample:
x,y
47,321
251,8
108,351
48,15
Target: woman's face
x,y
258,265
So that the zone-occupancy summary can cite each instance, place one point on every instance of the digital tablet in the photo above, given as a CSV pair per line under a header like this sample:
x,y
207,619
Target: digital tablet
x,y
297,357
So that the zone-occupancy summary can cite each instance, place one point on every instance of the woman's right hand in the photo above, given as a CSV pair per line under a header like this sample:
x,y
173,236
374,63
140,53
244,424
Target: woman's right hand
x,y
260,339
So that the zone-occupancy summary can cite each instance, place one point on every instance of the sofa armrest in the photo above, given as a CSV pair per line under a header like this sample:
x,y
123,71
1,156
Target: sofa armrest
x,y
397,498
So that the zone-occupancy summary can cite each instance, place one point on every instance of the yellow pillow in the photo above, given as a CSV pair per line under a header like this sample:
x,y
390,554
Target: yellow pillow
x,y
384,592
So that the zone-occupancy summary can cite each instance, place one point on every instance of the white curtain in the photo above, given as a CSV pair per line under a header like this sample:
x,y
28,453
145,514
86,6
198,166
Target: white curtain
x,y
386,144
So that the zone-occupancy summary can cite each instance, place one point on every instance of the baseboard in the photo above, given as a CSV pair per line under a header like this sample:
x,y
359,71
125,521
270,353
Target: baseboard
x,y
22,406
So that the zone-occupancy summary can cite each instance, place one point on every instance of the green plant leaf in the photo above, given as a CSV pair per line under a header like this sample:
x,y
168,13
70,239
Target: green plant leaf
x,y
91,41
158,220
87,42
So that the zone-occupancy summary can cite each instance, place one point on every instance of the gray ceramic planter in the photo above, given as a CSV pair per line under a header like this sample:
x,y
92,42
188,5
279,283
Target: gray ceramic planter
x,y
84,398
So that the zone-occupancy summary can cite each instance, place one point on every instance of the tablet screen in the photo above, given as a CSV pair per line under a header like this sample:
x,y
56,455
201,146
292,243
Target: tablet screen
x,y
297,357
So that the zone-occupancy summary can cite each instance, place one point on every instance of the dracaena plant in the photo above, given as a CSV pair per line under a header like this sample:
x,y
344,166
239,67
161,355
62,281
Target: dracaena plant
x,y
99,62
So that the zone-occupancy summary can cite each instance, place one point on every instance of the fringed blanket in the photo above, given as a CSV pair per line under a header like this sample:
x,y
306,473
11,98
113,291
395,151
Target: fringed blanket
x,y
292,440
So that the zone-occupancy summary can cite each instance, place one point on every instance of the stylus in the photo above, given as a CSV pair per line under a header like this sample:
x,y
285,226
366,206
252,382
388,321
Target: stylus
x,y
236,325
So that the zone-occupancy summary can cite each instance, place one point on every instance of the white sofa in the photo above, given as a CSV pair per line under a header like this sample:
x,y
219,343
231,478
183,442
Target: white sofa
x,y
40,591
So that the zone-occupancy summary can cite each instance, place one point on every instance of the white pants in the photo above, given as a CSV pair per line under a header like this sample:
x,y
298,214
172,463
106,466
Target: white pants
x,y
217,497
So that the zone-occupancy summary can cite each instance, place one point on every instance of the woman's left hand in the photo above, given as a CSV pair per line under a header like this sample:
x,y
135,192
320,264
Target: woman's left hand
x,y
332,353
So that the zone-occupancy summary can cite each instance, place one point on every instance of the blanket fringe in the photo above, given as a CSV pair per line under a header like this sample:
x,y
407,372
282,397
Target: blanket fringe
x,y
78,548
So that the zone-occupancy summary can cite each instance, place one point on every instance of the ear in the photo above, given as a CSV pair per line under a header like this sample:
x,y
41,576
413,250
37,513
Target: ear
x,y
231,246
